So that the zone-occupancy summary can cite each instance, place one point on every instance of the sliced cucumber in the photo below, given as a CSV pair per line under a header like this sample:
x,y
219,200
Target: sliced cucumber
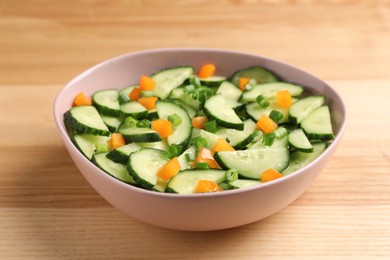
x,y
241,184
182,133
134,109
255,111
106,102
168,79
251,163
86,143
281,142
238,139
139,135
219,109
230,92
300,159
303,107
184,163
190,110
257,73
212,82
299,141
317,125
186,181
178,93
121,154
111,122
145,164
114,169
269,90
86,119
124,93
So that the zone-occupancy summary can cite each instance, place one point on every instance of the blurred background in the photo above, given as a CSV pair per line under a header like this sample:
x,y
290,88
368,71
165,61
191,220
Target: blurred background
x,y
50,41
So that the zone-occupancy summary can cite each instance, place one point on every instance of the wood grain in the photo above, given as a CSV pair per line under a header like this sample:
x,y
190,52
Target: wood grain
x,y
49,211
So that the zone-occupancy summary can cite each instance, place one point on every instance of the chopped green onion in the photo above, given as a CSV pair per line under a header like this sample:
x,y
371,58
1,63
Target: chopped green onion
x,y
188,88
202,165
130,122
201,113
189,157
194,96
252,82
231,175
211,126
262,101
280,132
199,142
144,123
175,119
195,81
268,139
276,116
101,148
173,151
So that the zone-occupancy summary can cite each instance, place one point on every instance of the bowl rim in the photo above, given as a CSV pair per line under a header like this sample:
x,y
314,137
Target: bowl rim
x,y
65,137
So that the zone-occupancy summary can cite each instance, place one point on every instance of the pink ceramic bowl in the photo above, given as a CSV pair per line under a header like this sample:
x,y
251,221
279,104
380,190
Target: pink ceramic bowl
x,y
211,211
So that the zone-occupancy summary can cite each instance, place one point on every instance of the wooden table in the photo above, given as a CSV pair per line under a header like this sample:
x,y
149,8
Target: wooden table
x,y
49,211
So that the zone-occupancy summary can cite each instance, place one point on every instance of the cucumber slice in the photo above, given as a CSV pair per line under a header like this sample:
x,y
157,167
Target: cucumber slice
x,y
121,154
255,111
184,164
257,73
212,82
303,107
239,139
139,135
144,166
317,125
117,170
86,143
279,142
86,119
106,102
168,79
231,93
186,181
182,133
251,163
190,110
124,94
269,90
134,109
179,94
219,109
300,159
299,141
241,184
111,122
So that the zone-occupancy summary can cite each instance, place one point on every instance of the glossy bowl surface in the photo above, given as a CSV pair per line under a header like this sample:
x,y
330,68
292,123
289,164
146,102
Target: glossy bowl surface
x,y
199,211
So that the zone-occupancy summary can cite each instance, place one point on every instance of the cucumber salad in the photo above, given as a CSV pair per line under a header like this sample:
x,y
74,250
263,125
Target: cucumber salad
x,y
182,130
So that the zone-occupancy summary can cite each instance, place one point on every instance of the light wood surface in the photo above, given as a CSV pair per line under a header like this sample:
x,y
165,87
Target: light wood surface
x,y
48,210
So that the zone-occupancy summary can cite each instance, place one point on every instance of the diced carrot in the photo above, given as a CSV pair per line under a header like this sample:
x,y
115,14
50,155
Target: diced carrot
x,y
146,83
199,121
117,140
163,127
243,82
205,155
135,94
283,98
170,169
82,99
148,102
221,146
270,174
206,71
266,124
207,186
